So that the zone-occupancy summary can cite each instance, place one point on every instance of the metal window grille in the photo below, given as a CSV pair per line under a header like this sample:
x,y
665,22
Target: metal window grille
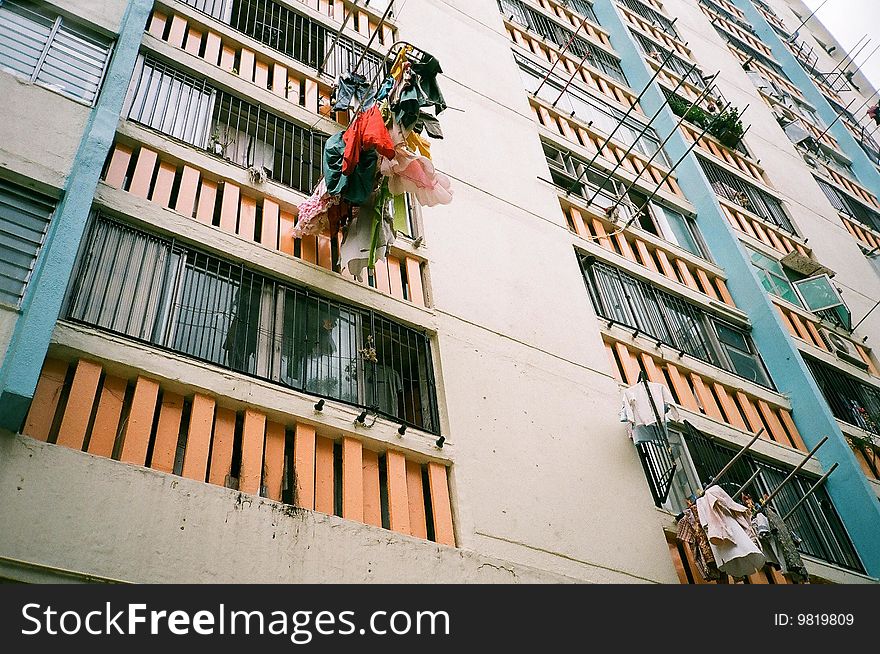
x,y
176,297
634,303
651,15
850,206
746,195
579,47
747,49
292,34
583,7
675,63
24,219
850,400
50,51
246,134
816,521
722,11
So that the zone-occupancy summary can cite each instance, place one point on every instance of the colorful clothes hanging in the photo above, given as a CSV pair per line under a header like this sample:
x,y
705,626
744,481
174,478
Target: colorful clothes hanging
x,y
367,132
357,186
415,174
312,215
729,528
691,532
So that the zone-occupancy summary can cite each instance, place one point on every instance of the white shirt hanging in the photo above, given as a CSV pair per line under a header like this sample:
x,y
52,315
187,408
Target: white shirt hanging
x,y
729,529
642,418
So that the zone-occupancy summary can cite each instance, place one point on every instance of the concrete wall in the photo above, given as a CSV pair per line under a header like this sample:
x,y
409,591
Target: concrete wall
x,y
104,15
86,514
8,316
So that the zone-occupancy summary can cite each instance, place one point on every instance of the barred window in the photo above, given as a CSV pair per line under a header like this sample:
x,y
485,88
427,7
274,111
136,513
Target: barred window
x,y
24,219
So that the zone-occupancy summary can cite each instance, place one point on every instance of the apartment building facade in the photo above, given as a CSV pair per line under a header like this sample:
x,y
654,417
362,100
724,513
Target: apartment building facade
x,y
188,393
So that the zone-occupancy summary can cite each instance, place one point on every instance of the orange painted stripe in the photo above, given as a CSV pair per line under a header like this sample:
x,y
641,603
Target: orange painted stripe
x,y
227,58
167,432
645,255
728,406
783,314
106,425
80,402
686,275
221,446
261,74
285,239
140,422
710,406
353,479
614,368
311,95
212,48
799,326
157,24
863,462
252,441
793,433
229,208
304,465
815,336
651,369
751,413
772,421
666,266
193,41
325,252
416,497
269,226
247,217
394,277
41,414
775,239
198,440
273,466
577,220
440,504
414,276
371,496
279,80
164,182
143,173
186,194
628,362
177,32
682,389
308,249
599,228
246,64
677,562
398,500
724,293
706,284
324,496
207,199
866,357
118,165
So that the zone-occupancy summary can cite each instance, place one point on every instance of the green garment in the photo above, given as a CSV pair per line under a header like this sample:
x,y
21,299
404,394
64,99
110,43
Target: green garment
x,y
422,91
355,188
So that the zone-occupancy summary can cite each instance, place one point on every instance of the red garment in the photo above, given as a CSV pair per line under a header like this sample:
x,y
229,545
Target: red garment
x,y
367,131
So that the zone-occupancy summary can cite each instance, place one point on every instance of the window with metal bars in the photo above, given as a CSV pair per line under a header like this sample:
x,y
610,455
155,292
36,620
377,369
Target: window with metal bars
x,y
176,297
553,31
245,134
292,34
50,51
651,15
850,399
729,15
747,196
850,206
24,219
748,50
632,302
678,65
583,7
816,522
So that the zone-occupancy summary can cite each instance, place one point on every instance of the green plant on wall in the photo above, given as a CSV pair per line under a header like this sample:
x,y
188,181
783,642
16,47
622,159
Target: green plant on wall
x,y
727,126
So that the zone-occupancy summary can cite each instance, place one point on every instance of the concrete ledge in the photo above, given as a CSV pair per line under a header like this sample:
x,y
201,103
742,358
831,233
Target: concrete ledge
x,y
71,510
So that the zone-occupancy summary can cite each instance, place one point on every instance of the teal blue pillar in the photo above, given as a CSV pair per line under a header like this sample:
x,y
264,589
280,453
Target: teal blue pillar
x,y
44,295
855,501
867,173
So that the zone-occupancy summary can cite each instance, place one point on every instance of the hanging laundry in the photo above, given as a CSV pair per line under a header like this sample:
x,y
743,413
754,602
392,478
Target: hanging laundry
x,y
350,88
416,88
312,215
355,250
413,173
357,186
691,532
427,69
779,546
428,124
367,132
731,537
637,410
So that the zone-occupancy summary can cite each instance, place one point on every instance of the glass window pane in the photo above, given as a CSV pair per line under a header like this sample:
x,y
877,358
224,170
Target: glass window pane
x,y
818,293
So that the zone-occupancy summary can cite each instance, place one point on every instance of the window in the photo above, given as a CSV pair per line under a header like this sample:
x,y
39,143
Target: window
x,y
179,298
773,277
850,206
821,297
850,399
632,302
24,219
52,52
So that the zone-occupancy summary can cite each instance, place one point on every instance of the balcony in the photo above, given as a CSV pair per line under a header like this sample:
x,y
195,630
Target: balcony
x,y
517,12
650,14
850,399
675,64
172,296
217,440
854,209
658,38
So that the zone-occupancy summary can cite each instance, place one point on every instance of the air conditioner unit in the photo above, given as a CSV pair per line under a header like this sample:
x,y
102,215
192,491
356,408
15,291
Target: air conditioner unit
x,y
844,349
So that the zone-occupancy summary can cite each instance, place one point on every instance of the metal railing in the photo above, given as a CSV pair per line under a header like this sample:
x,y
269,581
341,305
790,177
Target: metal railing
x,y
173,296
678,65
747,49
816,522
559,35
583,7
850,400
190,109
723,11
850,206
628,301
651,15
747,196
291,33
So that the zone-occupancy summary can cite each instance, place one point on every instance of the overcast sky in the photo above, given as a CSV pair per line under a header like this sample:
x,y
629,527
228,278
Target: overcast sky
x,y
850,20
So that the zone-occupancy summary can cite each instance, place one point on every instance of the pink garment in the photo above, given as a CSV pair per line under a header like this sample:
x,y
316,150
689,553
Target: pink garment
x,y
312,217
729,528
414,174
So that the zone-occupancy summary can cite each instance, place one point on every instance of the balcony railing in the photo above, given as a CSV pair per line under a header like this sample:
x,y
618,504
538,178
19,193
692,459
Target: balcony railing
x,y
619,297
650,14
850,399
190,109
291,33
678,65
850,206
172,296
747,196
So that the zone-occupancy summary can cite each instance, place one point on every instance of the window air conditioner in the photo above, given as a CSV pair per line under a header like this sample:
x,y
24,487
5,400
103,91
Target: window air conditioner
x,y
844,349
